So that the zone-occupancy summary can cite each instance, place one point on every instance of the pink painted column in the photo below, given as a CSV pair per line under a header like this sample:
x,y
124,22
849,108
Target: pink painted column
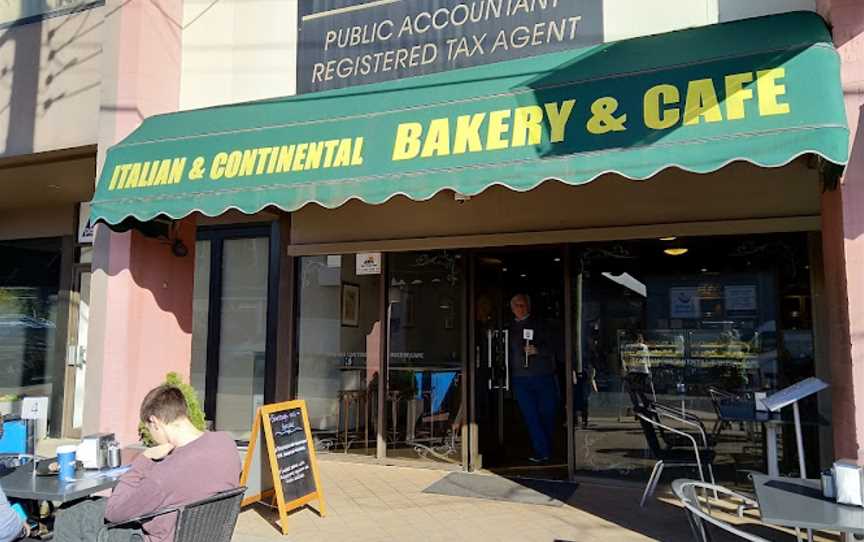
x,y
141,298
843,242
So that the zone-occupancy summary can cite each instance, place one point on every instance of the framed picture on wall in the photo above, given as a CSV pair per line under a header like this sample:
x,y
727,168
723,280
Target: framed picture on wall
x,y
350,304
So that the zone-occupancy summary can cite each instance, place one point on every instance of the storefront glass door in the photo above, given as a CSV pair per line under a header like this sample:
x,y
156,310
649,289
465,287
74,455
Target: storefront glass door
x,y
80,351
520,366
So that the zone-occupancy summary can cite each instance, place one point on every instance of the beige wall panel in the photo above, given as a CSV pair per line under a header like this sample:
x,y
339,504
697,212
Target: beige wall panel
x,y
731,10
738,192
624,19
49,83
237,50
37,222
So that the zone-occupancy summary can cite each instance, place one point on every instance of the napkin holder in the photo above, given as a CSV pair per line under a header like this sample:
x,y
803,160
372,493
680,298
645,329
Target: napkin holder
x,y
849,482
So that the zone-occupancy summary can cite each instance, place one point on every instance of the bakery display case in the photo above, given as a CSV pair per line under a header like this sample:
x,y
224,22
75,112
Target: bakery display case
x,y
651,348
716,348
686,361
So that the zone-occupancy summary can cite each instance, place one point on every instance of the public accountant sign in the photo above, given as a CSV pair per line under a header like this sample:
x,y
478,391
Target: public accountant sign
x,y
352,42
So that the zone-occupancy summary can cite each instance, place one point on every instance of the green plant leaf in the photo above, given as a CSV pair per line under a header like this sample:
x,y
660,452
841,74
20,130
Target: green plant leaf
x,y
193,408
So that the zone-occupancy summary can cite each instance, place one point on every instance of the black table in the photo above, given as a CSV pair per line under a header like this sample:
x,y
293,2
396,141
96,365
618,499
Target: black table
x,y
793,502
21,484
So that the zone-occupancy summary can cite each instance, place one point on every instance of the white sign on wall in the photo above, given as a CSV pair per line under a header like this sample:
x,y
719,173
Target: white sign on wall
x,y
684,302
369,263
85,226
740,298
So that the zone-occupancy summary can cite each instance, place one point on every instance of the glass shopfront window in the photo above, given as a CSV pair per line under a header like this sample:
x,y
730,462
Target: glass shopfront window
x,y
243,333
200,317
29,290
703,325
339,350
426,300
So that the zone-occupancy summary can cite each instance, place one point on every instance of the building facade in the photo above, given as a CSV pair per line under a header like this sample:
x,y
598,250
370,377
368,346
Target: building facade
x,y
385,304
50,54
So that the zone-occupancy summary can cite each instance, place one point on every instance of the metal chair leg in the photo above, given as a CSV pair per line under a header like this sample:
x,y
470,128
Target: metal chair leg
x,y
394,405
657,479
697,527
713,483
347,414
652,482
366,406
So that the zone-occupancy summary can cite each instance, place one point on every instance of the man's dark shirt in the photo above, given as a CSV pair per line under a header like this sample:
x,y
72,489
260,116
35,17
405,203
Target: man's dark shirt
x,y
540,364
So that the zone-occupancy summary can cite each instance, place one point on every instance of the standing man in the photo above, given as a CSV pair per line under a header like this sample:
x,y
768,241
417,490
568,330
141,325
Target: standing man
x,y
532,369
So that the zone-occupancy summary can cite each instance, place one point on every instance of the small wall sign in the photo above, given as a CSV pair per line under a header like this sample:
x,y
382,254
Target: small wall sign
x,y
369,263
85,226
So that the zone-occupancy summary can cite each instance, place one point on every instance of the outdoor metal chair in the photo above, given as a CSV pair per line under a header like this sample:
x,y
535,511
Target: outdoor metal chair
x,y
693,455
740,405
208,520
700,518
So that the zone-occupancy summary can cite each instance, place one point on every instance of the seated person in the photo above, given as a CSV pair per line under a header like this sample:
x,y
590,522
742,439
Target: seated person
x,y
12,527
187,465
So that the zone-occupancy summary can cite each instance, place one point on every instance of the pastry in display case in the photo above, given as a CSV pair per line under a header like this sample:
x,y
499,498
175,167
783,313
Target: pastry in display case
x,y
644,350
722,348
687,361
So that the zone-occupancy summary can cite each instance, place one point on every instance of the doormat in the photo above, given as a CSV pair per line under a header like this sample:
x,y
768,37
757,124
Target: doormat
x,y
497,488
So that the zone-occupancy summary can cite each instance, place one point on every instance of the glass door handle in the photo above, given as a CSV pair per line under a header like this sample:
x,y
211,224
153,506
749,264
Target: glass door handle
x,y
488,356
507,359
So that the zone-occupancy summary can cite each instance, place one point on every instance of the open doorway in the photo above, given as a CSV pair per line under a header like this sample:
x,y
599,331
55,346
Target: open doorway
x,y
519,361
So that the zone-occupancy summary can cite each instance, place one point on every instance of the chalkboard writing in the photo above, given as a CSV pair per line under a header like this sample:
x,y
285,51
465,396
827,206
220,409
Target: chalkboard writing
x,y
292,454
290,458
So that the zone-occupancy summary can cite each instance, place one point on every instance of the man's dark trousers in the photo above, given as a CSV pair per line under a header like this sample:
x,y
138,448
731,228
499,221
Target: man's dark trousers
x,y
538,400
82,522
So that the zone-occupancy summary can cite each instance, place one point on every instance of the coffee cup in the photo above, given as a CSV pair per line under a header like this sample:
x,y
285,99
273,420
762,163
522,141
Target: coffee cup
x,y
66,460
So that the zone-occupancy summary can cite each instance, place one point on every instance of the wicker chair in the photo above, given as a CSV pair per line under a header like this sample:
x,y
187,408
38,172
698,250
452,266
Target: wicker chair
x,y
208,520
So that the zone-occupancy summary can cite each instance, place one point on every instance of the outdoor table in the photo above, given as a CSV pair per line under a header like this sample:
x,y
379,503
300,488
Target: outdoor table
x,y
21,484
793,502
771,421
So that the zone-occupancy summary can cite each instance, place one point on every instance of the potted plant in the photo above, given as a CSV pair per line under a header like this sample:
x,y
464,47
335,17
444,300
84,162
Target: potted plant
x,y
193,406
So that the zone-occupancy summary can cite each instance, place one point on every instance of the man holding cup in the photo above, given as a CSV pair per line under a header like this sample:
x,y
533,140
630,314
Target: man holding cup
x,y
532,370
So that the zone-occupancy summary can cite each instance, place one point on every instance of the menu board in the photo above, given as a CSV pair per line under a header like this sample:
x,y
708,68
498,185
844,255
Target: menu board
x,y
292,454
290,458
793,393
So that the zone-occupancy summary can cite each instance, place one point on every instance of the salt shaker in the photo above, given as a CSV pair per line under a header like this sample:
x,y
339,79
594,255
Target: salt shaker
x,y
113,454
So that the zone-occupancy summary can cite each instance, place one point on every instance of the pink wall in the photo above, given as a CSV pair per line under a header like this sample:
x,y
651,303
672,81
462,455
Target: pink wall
x,y
142,292
843,241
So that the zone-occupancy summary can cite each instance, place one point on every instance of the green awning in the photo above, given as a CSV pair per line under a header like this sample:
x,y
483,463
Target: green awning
x,y
763,90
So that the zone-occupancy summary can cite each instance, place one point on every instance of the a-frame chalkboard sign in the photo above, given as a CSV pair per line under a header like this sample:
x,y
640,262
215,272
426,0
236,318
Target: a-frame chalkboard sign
x,y
290,459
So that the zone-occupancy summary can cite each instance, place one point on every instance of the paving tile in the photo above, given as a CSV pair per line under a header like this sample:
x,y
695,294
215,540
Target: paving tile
x,y
377,503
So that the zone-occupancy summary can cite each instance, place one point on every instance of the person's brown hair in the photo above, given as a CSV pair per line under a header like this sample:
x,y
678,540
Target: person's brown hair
x,y
165,402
